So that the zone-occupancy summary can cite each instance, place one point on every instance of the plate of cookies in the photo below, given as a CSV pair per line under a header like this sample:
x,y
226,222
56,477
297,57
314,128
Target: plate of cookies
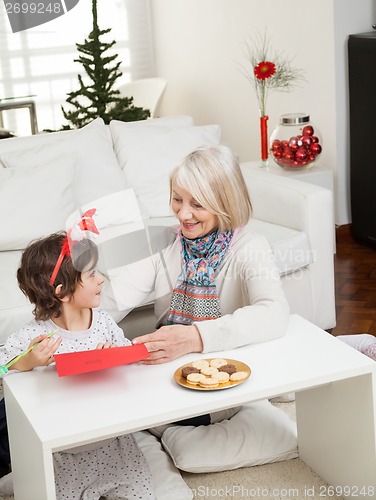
x,y
212,374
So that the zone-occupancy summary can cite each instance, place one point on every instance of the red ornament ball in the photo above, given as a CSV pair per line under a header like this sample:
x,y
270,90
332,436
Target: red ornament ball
x,y
288,153
316,148
301,155
293,143
277,145
308,130
306,140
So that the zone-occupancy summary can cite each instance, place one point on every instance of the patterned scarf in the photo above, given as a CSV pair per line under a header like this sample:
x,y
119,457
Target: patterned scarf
x,y
195,296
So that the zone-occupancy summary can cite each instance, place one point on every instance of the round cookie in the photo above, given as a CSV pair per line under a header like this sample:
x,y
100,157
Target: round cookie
x,y
195,378
189,369
209,383
222,377
229,368
236,377
201,363
217,362
209,371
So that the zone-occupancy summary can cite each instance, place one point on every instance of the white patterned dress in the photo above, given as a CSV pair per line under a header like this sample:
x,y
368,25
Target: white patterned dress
x,y
114,469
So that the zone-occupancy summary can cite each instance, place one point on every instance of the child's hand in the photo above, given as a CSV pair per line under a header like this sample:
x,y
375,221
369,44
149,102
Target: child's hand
x,y
41,355
105,345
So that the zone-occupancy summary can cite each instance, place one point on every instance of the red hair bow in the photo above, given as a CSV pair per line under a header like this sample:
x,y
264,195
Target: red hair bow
x,y
76,233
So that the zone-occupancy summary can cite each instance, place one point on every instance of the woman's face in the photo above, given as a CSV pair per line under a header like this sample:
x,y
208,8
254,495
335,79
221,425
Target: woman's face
x,y
195,220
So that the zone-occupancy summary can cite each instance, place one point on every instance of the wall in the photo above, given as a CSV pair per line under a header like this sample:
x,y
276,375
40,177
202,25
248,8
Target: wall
x,y
350,17
199,49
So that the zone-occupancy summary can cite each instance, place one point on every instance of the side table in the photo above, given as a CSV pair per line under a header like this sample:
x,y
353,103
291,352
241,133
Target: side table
x,y
30,105
318,175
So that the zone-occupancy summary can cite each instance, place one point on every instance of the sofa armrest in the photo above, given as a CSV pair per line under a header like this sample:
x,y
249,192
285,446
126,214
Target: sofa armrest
x,y
303,207
289,202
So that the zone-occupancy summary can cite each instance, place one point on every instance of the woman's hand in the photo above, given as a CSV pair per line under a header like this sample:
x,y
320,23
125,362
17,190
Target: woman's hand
x,y
170,342
41,355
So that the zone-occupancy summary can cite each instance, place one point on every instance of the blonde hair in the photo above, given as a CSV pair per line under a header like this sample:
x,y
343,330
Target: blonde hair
x,y
213,178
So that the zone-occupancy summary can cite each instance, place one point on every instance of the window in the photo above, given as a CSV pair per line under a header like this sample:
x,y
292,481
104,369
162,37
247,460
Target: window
x,y
40,61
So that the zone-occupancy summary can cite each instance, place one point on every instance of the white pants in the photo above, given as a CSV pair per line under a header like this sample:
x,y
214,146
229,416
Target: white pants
x,y
362,342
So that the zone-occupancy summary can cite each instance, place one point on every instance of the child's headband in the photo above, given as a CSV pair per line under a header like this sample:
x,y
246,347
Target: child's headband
x,y
75,234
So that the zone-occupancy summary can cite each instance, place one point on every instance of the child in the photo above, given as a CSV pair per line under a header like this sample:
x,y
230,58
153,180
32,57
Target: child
x,y
60,278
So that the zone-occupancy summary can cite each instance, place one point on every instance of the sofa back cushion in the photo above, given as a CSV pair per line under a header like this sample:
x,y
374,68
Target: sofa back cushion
x,y
35,201
98,172
147,153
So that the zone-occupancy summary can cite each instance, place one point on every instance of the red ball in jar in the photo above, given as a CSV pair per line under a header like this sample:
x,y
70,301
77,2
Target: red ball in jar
x,y
288,153
293,143
308,130
306,140
277,145
301,155
316,148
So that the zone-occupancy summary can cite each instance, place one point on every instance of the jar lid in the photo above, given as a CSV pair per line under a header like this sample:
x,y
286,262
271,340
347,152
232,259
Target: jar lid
x,y
294,119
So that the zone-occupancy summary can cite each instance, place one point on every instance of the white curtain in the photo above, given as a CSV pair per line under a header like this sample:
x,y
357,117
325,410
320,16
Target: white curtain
x,y
39,62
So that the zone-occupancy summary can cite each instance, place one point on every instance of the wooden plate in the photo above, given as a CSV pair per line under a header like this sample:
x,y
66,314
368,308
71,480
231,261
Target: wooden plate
x,y
240,367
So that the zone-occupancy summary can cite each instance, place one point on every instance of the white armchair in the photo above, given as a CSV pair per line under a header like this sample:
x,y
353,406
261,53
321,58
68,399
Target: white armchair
x,y
305,209
146,93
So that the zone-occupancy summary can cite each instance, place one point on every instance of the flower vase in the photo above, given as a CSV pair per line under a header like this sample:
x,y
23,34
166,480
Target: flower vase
x,y
264,140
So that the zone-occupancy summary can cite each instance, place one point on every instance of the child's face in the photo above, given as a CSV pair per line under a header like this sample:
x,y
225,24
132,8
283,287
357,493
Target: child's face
x,y
87,294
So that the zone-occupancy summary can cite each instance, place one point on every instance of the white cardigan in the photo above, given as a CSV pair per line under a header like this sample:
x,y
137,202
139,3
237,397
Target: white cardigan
x,y
253,305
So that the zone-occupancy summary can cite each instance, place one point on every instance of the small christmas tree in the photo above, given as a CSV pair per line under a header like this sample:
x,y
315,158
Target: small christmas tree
x,y
99,98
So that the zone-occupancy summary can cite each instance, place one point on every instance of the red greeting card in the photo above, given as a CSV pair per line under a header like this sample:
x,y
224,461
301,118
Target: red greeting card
x,y
73,363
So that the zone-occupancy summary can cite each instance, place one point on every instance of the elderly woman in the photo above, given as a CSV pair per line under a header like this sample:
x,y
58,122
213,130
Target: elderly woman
x,y
226,287
216,287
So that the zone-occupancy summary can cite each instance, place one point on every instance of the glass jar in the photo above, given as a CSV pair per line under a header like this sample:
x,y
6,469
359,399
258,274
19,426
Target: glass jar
x,y
295,142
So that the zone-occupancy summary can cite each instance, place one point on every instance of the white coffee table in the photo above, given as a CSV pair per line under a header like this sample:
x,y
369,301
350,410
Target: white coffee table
x,y
335,400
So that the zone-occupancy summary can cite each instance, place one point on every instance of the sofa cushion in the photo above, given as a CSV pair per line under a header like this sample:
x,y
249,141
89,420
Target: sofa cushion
x,y
117,214
37,201
147,154
98,171
167,481
291,248
258,434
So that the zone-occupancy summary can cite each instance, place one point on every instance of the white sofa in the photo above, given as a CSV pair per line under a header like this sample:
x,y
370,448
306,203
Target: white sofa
x,y
47,177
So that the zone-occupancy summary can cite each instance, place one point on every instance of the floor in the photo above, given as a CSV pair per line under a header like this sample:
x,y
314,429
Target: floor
x,y
355,288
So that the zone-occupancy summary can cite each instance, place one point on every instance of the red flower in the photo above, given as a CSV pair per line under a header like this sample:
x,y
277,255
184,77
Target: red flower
x,y
264,70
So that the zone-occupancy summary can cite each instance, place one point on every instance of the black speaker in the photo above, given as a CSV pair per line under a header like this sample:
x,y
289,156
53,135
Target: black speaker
x,y
362,91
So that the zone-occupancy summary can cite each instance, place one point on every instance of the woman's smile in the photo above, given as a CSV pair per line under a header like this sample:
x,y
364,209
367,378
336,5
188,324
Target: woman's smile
x,y
189,225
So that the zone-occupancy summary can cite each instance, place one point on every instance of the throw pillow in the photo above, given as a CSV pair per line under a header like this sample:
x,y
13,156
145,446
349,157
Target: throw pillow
x,y
37,201
117,214
147,155
98,174
258,434
167,481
